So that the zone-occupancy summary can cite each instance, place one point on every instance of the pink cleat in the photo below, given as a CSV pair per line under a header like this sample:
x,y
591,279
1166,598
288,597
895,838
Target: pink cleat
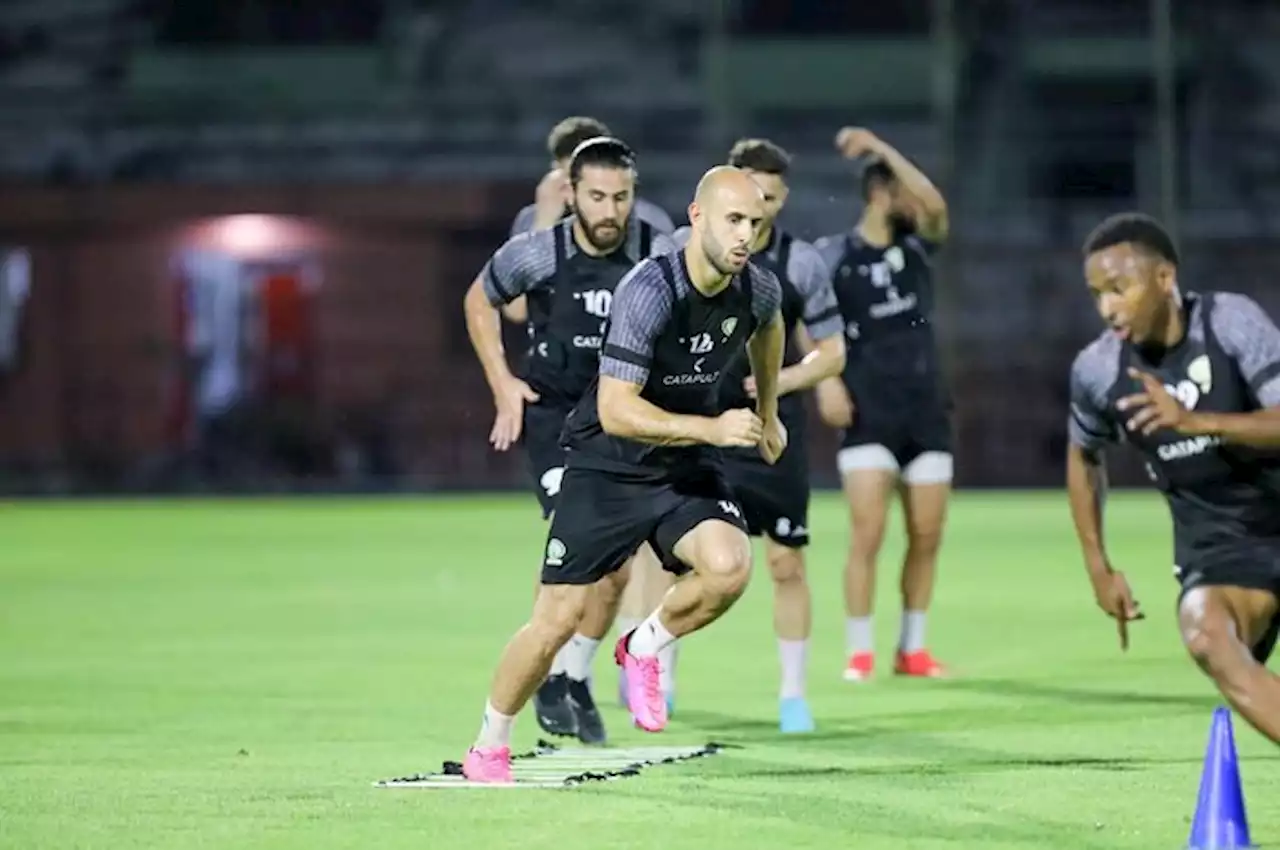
x,y
488,764
645,699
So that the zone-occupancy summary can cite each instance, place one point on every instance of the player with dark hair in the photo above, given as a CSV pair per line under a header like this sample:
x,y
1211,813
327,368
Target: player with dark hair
x,y
568,275
553,195
648,582
891,402
775,497
1192,382
642,463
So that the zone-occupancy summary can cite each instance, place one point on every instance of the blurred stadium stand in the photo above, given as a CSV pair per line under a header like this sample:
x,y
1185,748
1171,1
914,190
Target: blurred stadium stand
x,y
1037,118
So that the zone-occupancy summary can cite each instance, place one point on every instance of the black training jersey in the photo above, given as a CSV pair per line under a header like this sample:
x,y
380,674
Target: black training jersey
x,y
569,293
886,298
807,298
676,343
647,211
1228,362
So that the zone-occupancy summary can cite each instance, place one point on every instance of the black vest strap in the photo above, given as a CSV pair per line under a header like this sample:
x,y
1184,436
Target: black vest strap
x,y
646,240
784,254
562,253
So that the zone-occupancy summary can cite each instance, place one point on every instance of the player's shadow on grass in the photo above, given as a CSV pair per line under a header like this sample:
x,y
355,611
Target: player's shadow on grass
x,y
1076,696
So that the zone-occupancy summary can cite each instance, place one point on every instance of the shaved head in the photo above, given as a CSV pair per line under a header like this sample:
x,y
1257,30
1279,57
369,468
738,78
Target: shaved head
x,y
724,182
726,215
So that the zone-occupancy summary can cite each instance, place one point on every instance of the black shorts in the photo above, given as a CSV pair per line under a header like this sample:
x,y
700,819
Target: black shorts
x,y
544,456
1250,564
908,423
774,499
604,517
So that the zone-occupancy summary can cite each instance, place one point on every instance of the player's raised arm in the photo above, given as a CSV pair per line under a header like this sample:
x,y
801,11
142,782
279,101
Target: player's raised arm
x,y
933,221
521,264
1090,430
641,308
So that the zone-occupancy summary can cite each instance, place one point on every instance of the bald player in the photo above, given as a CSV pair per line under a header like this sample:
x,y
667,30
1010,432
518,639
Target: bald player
x,y
643,461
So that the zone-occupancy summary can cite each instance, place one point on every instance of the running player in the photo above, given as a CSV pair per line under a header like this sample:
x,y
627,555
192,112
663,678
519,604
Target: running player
x,y
648,582
891,401
641,464
775,498
553,198
568,275
1192,382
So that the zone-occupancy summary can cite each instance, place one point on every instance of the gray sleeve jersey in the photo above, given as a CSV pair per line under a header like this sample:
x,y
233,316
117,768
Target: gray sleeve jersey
x,y
811,277
831,250
1248,335
681,236
1090,424
522,264
641,308
766,294
647,211
662,244
523,221
654,215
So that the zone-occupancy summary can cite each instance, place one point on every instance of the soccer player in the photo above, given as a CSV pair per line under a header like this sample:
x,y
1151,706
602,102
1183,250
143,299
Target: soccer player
x,y
775,498
641,463
553,198
567,274
1192,382
552,202
891,401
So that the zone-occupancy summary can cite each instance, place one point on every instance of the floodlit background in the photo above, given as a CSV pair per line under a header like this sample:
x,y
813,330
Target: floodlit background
x,y
236,235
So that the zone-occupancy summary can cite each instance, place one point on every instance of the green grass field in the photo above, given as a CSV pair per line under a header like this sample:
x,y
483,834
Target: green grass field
x,y
237,674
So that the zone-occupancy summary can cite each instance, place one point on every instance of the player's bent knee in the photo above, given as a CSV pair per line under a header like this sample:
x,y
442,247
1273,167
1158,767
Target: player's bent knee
x,y
558,611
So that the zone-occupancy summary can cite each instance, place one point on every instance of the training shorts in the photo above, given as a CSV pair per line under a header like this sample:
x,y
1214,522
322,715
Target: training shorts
x,y
603,517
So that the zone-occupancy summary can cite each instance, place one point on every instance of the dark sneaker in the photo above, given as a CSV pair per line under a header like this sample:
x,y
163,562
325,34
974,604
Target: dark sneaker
x,y
590,726
551,704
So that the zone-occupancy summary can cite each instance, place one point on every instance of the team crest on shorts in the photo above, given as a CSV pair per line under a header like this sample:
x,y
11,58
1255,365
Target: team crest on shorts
x,y
555,552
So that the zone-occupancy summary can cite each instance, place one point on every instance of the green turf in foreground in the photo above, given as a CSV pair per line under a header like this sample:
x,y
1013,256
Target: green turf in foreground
x,y
232,675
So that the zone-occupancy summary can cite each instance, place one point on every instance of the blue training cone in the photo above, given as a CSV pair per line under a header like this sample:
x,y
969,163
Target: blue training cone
x,y
1220,822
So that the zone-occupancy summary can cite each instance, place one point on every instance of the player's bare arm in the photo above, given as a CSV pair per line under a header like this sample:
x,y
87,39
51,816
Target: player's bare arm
x,y
484,327
1090,429
933,221
624,413
522,263
765,351
1086,492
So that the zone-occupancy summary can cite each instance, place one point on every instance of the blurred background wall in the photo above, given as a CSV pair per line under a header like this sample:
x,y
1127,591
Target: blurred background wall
x,y
236,233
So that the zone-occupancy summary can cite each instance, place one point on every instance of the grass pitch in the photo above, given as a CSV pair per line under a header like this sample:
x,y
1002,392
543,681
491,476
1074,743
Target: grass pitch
x,y
236,675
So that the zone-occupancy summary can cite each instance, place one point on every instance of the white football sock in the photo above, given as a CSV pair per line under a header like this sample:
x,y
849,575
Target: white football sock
x,y
626,624
561,662
912,636
667,667
578,653
651,637
857,635
793,655
495,729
